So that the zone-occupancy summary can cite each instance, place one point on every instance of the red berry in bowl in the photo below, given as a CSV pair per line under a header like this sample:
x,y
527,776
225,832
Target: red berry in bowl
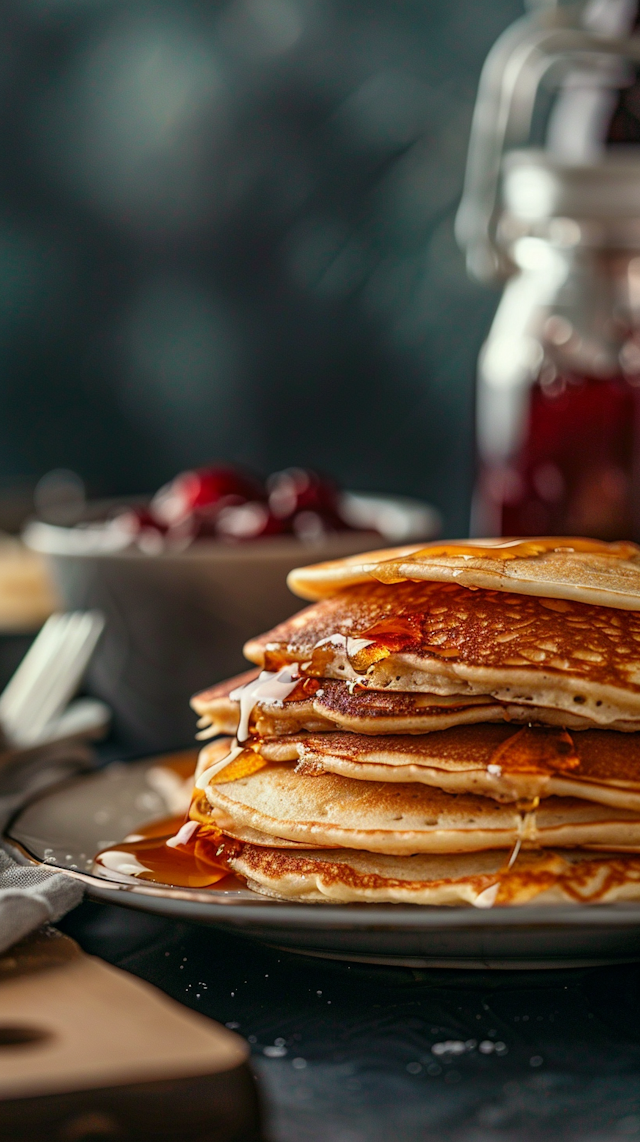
x,y
298,490
251,520
203,488
136,518
139,526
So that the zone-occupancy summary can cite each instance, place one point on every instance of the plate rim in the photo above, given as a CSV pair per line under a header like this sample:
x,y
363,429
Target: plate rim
x,y
353,915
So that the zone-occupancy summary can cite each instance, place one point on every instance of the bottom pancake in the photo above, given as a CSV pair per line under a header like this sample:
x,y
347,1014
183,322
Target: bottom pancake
x,y
480,879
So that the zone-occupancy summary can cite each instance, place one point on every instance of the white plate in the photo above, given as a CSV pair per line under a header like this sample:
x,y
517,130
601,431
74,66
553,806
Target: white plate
x,y
66,826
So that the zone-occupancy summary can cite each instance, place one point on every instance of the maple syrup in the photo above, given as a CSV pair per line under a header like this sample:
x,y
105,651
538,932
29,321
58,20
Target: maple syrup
x,y
307,688
535,750
200,862
393,635
240,761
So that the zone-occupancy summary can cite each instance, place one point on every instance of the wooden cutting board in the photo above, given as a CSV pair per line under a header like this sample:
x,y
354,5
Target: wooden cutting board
x,y
89,1053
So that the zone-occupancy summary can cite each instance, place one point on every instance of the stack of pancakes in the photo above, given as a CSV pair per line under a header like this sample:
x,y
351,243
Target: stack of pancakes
x,y
443,725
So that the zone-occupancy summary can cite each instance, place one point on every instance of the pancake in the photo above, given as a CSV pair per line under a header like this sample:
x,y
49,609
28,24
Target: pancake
x,y
493,761
200,811
330,811
445,639
341,877
585,570
317,705
500,762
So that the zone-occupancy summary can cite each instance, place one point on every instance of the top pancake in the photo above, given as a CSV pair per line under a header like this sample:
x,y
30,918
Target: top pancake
x,y
589,571
446,639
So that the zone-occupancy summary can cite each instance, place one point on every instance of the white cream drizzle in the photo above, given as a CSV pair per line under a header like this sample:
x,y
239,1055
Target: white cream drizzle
x,y
124,863
207,774
350,644
184,835
514,853
487,898
269,687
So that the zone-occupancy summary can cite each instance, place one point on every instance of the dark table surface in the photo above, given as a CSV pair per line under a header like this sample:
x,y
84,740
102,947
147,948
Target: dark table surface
x,y
349,1053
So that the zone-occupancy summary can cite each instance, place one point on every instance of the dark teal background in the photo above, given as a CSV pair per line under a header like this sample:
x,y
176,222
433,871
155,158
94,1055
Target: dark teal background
x,y
226,232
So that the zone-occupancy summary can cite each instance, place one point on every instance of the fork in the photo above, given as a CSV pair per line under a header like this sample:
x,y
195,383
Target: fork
x,y
34,706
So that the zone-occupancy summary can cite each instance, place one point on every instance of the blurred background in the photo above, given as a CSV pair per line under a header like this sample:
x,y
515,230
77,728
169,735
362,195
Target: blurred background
x,y
226,233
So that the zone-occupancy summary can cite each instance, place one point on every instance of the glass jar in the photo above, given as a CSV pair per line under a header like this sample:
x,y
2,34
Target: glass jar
x,y
558,437
558,399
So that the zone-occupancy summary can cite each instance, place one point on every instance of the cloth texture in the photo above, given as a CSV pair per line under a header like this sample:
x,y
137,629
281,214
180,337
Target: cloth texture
x,y
31,895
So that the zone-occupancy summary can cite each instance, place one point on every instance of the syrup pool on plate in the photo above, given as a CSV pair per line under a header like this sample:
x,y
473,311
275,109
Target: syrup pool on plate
x,y
172,851
196,863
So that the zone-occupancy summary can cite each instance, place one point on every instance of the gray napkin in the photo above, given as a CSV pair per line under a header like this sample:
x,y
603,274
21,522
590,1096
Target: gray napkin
x,y
30,895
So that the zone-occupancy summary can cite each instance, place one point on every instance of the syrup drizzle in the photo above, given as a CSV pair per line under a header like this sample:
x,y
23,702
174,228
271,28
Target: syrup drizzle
x,y
174,852
362,650
243,758
535,750
270,688
535,753
217,767
240,761
394,570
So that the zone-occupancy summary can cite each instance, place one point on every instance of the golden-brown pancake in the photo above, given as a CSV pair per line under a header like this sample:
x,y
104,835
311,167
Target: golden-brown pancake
x,y
445,639
322,704
505,763
491,760
586,570
200,810
340,876
402,819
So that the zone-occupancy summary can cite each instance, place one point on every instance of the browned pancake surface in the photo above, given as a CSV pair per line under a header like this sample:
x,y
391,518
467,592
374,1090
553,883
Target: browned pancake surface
x,y
337,698
460,748
484,879
323,704
450,625
602,755
482,627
